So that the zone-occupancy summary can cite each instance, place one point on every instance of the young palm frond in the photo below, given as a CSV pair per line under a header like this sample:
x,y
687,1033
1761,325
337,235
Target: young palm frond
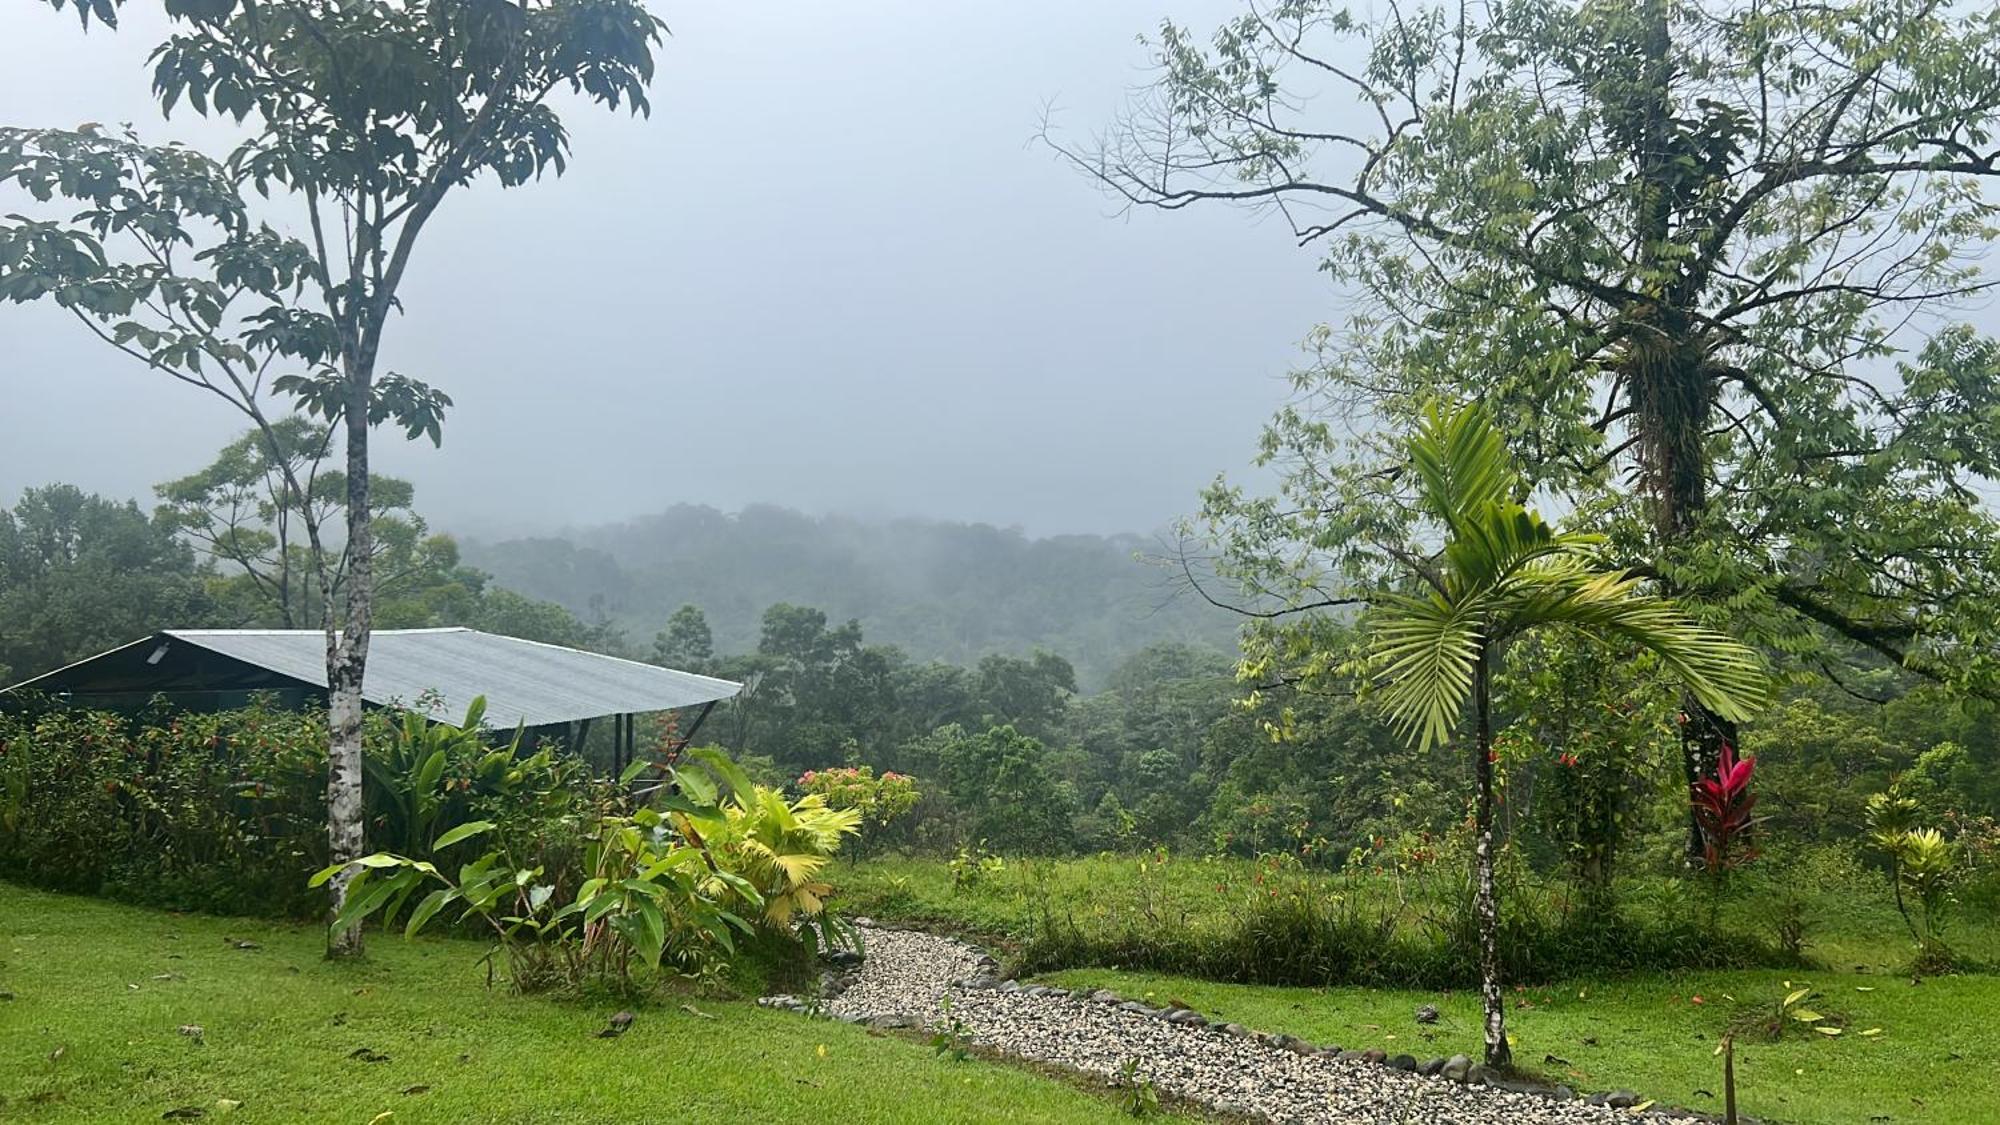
x,y
785,845
1506,570
1424,652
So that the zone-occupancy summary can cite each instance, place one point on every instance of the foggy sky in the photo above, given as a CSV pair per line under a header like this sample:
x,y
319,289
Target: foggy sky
x,y
830,272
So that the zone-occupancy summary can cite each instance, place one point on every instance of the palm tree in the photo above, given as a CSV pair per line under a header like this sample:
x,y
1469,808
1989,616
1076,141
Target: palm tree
x,y
1502,571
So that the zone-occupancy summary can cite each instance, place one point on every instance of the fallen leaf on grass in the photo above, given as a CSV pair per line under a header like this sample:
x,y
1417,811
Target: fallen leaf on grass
x,y
193,1031
419,1088
228,1105
367,1055
697,1013
1871,1032
379,1118
184,1113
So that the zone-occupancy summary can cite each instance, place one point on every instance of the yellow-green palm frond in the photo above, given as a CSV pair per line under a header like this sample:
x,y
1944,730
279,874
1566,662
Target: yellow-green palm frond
x,y
1726,675
1461,462
1506,570
1424,652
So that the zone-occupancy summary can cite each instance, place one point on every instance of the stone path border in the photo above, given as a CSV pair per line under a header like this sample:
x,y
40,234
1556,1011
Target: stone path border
x,y
910,979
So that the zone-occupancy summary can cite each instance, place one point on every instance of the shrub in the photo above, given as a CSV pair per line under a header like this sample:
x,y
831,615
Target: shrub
x,y
226,812
1923,868
216,812
877,801
671,887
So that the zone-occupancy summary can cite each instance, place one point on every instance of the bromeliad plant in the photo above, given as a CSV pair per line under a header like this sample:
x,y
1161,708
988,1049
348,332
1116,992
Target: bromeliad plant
x,y
1500,573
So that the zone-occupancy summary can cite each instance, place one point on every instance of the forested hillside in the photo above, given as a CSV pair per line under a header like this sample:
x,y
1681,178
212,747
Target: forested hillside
x,y
945,591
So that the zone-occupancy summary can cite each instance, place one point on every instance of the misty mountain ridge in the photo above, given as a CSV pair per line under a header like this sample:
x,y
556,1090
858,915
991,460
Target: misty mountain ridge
x,y
937,589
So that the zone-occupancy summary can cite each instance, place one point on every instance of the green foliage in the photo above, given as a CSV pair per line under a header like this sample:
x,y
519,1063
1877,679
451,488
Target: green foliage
x,y
670,886
219,812
1136,1093
954,1040
1593,725
1503,571
1001,789
974,865
782,847
1654,279
226,811
878,801
686,642
80,575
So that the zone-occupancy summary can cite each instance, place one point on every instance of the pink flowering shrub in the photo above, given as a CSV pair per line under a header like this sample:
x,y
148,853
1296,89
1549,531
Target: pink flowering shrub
x,y
879,800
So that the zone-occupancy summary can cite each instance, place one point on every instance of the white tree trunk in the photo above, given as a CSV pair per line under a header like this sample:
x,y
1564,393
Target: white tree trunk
x,y
346,662
1485,903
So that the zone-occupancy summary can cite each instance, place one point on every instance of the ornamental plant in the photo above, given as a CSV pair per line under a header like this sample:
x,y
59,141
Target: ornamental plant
x,y
879,800
1722,806
672,887
1923,867
1498,572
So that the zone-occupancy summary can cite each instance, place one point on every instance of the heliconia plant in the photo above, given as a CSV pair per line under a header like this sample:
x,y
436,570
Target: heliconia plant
x,y
1722,806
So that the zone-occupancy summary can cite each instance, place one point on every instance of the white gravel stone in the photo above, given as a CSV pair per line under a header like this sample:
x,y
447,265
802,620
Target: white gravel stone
x,y
912,974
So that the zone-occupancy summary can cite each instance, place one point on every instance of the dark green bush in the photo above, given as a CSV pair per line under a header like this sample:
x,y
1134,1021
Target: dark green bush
x,y
226,812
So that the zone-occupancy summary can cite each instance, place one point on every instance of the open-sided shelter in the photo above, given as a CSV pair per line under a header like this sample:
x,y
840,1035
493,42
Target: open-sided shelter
x,y
548,689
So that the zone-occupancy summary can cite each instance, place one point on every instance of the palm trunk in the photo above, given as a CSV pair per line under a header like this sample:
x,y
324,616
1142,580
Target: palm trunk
x,y
346,661
1485,902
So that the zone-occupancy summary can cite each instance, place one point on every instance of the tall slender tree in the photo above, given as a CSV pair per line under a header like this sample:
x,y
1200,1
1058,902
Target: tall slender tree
x,y
361,120
1699,257
1501,572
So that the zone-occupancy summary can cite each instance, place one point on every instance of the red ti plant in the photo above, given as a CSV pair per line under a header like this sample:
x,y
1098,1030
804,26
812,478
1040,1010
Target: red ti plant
x,y
1722,805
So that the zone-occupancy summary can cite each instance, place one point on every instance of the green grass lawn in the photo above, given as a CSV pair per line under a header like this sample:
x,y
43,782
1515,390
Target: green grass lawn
x,y
1934,1060
1850,919
98,993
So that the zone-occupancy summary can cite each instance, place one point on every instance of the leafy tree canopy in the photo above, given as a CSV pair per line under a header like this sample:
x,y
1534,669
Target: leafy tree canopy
x,y
1701,261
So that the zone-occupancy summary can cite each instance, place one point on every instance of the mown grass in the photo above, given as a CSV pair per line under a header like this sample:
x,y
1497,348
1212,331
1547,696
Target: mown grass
x,y
1934,1060
99,993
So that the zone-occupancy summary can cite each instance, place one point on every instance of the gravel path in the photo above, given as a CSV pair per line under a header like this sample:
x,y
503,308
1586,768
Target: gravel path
x,y
907,975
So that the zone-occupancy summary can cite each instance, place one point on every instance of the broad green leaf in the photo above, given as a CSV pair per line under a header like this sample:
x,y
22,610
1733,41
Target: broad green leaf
x,y
463,832
427,909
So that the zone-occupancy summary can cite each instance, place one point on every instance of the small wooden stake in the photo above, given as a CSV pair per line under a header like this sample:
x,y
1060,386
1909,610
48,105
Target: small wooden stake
x,y
1729,1080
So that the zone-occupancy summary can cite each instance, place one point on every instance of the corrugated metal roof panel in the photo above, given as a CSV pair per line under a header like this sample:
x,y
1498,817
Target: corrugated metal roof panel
x,y
523,681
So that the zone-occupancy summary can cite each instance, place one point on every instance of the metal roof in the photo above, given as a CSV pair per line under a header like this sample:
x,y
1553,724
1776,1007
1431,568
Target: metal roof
x,y
524,682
